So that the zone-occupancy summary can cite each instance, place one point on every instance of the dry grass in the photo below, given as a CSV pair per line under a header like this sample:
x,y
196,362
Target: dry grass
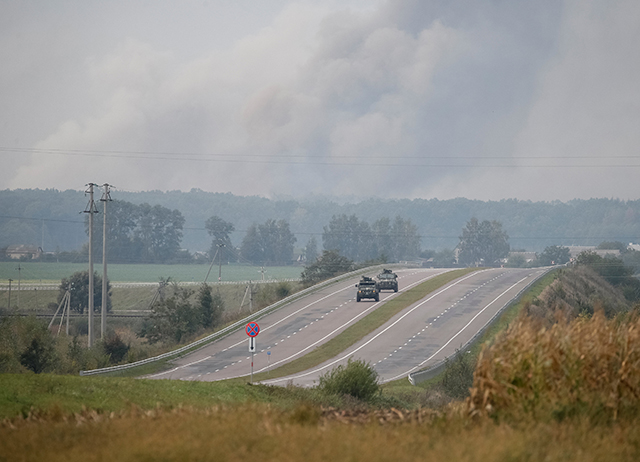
x,y
576,292
260,432
589,367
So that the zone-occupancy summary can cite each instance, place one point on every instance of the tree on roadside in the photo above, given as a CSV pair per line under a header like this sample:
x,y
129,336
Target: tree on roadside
x,y
211,307
172,317
326,266
554,255
483,243
78,283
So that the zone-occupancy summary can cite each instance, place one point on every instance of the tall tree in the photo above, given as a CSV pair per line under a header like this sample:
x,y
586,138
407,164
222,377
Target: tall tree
x,y
406,241
483,243
159,233
349,236
383,245
270,243
221,245
311,250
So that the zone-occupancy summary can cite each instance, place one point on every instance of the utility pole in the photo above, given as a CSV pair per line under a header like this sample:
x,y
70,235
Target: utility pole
x,y
10,281
90,209
19,268
106,197
220,245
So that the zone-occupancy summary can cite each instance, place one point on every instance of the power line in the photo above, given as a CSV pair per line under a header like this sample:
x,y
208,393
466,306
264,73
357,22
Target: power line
x,y
364,161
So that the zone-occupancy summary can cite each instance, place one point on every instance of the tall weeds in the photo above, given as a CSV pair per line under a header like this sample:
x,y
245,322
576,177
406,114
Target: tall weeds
x,y
589,367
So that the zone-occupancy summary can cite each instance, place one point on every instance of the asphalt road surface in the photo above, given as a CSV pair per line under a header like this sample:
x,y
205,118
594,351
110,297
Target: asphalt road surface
x,y
423,334
431,329
289,332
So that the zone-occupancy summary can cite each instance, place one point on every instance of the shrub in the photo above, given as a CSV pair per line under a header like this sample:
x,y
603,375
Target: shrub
x,y
588,367
457,378
358,379
114,347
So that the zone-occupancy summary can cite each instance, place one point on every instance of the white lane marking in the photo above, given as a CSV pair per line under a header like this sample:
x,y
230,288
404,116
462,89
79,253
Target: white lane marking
x,y
180,367
379,334
457,333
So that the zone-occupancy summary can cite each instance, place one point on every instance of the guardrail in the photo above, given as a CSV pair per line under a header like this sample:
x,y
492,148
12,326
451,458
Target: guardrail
x,y
434,370
236,325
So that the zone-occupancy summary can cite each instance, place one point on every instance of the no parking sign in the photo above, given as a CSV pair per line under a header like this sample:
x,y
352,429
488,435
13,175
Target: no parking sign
x,y
252,329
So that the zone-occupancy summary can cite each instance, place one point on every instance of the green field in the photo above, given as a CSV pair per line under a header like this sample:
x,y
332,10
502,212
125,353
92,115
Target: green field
x,y
53,272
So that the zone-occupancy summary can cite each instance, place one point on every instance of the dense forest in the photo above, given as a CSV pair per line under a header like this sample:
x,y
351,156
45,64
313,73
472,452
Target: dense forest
x,y
54,220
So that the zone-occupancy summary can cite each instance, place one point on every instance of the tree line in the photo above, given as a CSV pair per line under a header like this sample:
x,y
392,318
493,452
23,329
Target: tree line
x,y
49,218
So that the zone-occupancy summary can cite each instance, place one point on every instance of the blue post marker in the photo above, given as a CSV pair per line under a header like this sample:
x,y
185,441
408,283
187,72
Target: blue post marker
x,y
268,362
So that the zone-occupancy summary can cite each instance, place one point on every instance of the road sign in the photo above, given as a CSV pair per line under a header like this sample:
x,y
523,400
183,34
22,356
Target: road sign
x,y
252,329
252,344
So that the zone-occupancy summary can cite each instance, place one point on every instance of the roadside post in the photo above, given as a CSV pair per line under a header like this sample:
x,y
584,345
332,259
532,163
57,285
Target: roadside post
x,y
268,363
252,329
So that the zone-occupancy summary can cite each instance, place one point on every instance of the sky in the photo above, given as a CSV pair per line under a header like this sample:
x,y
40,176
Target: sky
x,y
395,99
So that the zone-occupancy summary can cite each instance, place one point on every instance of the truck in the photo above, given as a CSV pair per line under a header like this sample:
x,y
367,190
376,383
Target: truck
x,y
367,288
388,280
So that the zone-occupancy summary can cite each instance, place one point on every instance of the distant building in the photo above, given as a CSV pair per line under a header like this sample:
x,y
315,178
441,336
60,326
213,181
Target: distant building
x,y
30,252
576,250
528,256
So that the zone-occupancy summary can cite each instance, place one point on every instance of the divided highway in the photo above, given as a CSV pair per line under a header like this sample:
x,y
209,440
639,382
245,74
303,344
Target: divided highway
x,y
422,334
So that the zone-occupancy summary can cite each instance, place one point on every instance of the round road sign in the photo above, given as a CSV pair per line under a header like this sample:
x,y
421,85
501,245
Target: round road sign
x,y
252,329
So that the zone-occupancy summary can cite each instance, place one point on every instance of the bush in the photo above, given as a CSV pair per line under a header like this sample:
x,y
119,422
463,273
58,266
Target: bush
x,y
358,379
589,367
457,378
115,348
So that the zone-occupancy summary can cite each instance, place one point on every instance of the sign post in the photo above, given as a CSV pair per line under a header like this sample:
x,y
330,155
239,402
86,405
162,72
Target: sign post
x,y
252,329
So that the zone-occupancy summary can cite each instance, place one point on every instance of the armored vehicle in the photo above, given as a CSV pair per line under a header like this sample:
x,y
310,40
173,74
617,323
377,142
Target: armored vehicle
x,y
367,288
388,280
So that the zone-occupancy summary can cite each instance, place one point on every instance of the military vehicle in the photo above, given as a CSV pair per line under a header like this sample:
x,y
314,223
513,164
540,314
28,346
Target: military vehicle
x,y
367,288
388,280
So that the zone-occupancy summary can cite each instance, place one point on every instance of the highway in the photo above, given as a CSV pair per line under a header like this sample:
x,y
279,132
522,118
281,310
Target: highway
x,y
420,335
289,332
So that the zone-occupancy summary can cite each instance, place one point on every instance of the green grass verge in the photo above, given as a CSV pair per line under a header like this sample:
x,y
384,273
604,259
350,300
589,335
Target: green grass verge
x,y
19,393
360,329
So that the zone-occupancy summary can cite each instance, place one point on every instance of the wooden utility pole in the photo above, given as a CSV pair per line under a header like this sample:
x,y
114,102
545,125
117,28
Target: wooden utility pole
x,y
19,268
10,281
220,246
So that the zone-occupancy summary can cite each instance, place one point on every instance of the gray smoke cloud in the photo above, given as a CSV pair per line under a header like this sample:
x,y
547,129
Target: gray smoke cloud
x,y
403,98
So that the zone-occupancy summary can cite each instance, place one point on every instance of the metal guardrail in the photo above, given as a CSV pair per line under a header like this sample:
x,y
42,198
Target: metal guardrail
x,y
432,371
236,325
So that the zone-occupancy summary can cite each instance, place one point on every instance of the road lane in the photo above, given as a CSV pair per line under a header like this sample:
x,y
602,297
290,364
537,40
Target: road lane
x,y
431,329
288,333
